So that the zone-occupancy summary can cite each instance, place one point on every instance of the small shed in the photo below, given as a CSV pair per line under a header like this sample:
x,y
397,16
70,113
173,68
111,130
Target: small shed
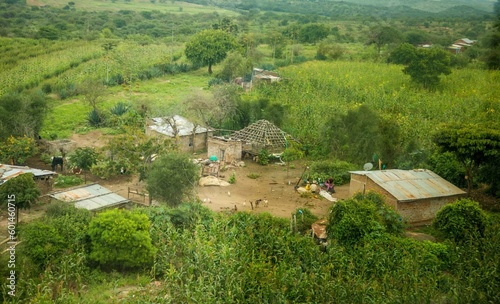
x,y
43,178
417,195
227,150
261,135
189,137
93,197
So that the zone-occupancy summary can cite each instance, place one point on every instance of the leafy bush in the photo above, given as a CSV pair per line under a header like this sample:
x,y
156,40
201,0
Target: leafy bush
x,y
232,178
263,157
64,181
171,178
120,239
215,81
363,215
338,170
305,219
62,231
448,167
461,221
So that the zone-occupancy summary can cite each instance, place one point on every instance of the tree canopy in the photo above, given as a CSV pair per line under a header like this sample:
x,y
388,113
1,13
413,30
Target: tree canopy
x,y
23,187
472,144
171,178
423,65
210,47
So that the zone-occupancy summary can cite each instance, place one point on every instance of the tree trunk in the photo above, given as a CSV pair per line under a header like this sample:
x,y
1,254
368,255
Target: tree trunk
x,y
209,68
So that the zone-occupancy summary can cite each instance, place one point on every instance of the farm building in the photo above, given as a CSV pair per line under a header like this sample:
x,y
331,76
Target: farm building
x,y
227,150
417,195
93,197
261,135
43,178
188,136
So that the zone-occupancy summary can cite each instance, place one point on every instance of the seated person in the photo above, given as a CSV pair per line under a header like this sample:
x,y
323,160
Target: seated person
x,y
329,184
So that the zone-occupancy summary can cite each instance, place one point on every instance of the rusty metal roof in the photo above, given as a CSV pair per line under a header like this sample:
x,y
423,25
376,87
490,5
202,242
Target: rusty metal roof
x,y
91,197
410,185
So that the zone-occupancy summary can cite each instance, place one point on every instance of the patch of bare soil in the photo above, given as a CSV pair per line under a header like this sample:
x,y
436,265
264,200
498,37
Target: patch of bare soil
x,y
93,139
273,184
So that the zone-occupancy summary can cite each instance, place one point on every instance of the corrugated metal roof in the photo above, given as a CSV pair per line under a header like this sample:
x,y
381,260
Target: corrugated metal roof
x,y
91,197
8,171
164,125
410,185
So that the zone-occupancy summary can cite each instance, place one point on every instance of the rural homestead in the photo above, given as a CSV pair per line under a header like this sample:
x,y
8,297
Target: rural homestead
x,y
231,151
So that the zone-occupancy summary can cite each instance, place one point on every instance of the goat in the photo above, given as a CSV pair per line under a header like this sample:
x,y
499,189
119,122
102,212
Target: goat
x,y
57,160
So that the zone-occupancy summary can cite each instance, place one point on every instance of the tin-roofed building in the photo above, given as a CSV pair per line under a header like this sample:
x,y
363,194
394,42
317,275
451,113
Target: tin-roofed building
x,y
43,178
188,136
417,195
93,197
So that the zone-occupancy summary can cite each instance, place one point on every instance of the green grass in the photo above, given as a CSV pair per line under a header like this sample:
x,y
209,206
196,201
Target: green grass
x,y
135,5
161,95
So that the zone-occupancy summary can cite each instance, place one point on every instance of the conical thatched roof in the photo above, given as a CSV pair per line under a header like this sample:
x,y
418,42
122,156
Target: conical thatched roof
x,y
262,135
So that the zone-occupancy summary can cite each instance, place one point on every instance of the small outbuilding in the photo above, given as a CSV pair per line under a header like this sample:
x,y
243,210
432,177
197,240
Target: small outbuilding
x,y
93,197
44,179
417,195
188,136
227,150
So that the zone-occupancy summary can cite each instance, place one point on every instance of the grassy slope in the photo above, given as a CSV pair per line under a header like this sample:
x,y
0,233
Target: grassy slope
x,y
135,5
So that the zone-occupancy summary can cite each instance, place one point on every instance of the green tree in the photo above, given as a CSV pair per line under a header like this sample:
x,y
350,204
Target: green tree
x,y
492,57
210,47
428,66
120,239
16,150
473,145
461,221
24,189
328,50
171,178
312,33
383,35
403,54
84,158
235,65
22,114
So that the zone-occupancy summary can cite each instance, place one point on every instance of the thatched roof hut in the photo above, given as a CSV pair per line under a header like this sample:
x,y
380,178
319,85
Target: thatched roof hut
x,y
262,135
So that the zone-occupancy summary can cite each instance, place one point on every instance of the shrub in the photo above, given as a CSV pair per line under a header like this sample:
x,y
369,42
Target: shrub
x,y
121,239
215,81
232,178
253,175
461,221
171,178
263,157
352,220
305,219
338,170
64,181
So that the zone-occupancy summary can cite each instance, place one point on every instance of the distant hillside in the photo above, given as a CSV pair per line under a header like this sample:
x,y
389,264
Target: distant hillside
x,y
353,9
434,6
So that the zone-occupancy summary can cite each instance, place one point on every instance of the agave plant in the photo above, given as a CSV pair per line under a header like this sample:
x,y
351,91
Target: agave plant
x,y
119,109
